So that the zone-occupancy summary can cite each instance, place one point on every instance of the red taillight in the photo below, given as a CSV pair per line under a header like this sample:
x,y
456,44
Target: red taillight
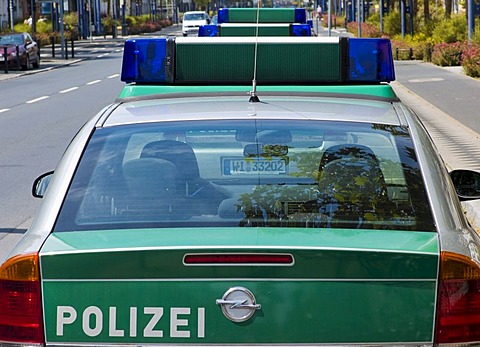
x,y
459,300
20,300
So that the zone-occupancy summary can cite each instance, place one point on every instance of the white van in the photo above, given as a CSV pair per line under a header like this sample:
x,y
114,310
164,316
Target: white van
x,y
192,20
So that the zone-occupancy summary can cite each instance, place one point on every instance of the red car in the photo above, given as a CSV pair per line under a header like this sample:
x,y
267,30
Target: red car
x,y
28,52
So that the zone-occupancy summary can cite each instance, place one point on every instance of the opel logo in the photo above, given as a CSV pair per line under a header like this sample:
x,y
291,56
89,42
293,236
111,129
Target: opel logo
x,y
238,304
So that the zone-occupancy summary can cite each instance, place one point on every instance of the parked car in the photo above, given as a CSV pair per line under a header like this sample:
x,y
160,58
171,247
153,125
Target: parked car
x,y
203,209
21,48
192,20
214,20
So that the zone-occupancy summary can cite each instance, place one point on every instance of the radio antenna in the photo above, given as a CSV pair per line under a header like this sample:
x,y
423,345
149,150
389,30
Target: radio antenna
x,y
253,93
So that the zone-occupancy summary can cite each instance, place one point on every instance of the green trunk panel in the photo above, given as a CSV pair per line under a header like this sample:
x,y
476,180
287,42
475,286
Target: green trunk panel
x,y
292,312
199,63
345,286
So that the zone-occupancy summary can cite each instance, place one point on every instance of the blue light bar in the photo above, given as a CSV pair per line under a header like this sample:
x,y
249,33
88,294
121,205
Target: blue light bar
x,y
145,60
371,60
177,60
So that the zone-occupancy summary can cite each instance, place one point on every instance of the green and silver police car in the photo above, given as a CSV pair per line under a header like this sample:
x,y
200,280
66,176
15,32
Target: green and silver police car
x,y
231,198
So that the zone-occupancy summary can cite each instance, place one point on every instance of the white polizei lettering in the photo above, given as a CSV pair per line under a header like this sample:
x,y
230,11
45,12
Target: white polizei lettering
x,y
201,322
133,321
176,322
92,321
65,315
112,323
98,321
157,315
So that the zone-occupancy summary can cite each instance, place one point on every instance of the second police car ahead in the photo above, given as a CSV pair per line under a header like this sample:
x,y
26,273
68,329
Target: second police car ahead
x,y
307,208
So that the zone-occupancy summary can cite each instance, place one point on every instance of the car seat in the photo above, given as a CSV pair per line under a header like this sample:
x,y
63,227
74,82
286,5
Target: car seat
x,y
205,198
152,192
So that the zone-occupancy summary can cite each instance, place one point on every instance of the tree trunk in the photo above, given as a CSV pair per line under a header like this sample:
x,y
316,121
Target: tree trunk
x,y
426,11
448,8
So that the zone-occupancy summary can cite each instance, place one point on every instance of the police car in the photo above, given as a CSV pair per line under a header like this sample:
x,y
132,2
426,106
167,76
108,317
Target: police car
x,y
228,198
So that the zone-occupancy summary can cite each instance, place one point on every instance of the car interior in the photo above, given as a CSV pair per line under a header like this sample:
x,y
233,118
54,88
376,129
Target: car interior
x,y
270,177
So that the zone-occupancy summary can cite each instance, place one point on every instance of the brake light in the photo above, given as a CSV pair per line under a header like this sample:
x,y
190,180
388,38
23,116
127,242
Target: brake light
x,y
242,259
20,300
458,316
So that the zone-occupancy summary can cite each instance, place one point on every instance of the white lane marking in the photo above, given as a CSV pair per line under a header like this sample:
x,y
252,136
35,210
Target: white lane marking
x,y
37,99
113,76
93,82
4,110
68,90
422,80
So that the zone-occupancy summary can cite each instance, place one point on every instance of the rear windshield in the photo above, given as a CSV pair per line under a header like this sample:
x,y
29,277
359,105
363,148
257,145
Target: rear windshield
x,y
248,173
195,16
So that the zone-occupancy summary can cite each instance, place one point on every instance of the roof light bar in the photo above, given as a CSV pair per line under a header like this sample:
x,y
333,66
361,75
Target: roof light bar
x,y
250,29
229,60
266,15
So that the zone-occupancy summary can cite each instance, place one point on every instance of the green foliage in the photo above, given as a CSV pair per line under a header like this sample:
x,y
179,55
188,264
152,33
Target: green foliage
x,y
392,24
71,19
447,54
416,47
109,24
144,24
202,4
43,27
22,27
471,60
450,30
368,29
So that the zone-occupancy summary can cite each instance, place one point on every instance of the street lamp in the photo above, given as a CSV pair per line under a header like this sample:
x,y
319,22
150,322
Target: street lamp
x,y
470,19
10,7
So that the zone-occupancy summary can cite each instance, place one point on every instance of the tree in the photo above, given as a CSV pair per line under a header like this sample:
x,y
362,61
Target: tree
x,y
202,4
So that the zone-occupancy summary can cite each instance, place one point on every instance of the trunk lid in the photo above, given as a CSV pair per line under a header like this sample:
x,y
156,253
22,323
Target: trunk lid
x,y
177,286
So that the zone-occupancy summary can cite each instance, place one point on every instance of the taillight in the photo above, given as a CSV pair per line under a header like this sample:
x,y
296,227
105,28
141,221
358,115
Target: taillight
x,y
20,300
458,316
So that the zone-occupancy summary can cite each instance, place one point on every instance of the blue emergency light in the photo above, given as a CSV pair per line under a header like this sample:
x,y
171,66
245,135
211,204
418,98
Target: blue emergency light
x,y
279,60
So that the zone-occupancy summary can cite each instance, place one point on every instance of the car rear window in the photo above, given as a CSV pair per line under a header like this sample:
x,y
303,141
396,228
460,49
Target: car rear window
x,y
195,16
248,173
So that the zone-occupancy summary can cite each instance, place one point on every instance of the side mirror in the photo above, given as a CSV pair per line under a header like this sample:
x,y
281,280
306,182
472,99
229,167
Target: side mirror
x,y
466,183
40,184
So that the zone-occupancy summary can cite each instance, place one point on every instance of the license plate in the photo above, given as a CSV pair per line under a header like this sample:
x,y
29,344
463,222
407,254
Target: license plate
x,y
257,166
